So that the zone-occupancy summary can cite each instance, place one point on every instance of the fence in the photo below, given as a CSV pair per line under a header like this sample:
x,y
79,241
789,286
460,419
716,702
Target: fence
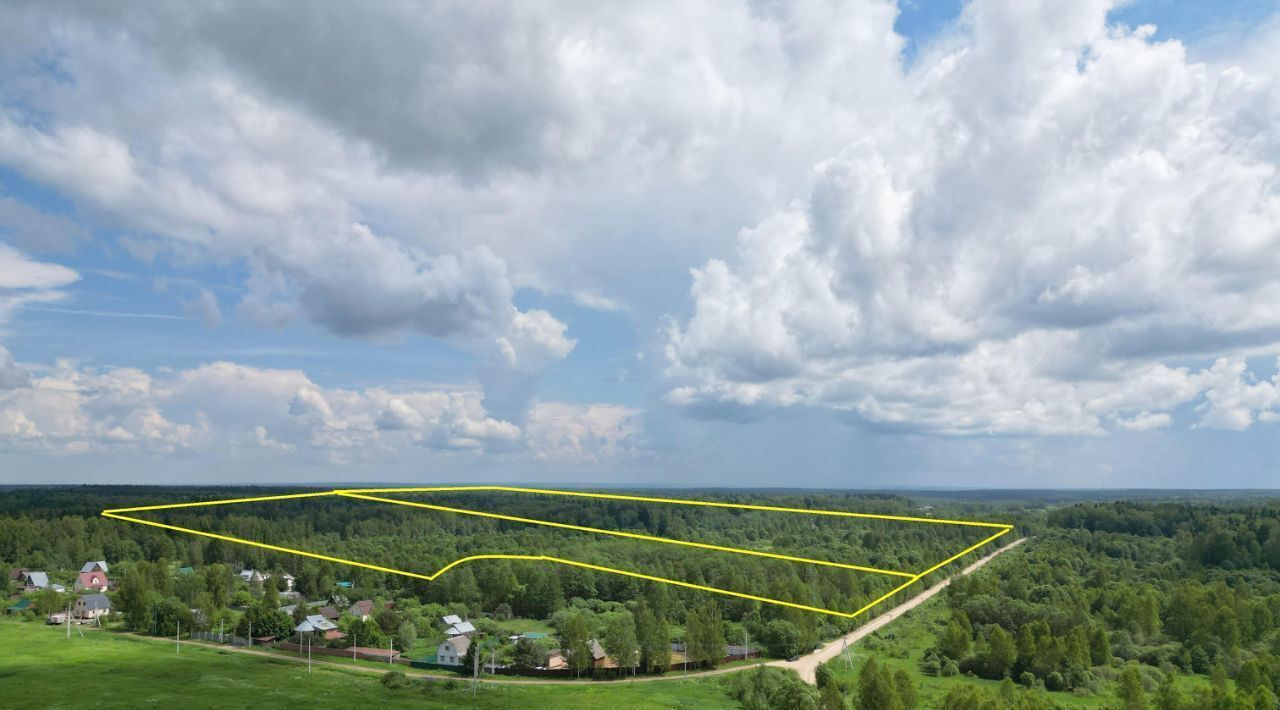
x,y
370,655
215,637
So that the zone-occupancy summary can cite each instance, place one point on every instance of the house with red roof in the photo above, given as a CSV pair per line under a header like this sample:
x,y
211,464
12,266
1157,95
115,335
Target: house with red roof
x,y
92,582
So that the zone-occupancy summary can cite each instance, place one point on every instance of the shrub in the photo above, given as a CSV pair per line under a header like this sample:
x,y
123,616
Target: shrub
x,y
950,668
395,680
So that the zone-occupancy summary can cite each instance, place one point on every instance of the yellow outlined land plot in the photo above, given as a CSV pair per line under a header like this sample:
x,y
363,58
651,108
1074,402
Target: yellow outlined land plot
x,y
382,496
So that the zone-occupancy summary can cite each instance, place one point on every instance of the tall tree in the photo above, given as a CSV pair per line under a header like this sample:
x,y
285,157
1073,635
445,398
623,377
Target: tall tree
x,y
619,640
575,643
135,600
876,690
1130,692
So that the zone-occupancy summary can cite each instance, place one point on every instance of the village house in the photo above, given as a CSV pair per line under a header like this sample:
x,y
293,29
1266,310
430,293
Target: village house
x,y
34,580
316,624
455,626
92,581
253,576
329,613
361,610
91,606
94,566
452,651
288,580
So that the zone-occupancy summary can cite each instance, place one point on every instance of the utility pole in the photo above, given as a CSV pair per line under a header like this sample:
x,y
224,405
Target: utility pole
x,y
746,645
355,641
68,621
391,650
308,654
177,637
475,662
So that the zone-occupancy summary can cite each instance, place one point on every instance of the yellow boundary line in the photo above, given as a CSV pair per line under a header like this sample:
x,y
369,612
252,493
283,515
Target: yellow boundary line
x,y
620,533
361,493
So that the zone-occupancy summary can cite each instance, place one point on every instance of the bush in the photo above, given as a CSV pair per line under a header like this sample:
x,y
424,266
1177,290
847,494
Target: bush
x,y
822,676
1028,679
931,667
950,668
395,680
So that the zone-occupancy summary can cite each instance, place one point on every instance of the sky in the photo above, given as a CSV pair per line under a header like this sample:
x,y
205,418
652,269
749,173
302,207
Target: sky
x,y
846,244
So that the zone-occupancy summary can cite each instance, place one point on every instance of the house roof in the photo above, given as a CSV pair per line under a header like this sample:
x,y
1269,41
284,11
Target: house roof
x,y
92,564
460,644
329,612
186,570
17,572
94,601
315,622
451,619
597,651
460,628
363,607
20,605
37,579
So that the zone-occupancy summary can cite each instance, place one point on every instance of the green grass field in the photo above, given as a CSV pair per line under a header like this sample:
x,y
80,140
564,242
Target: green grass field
x,y
40,668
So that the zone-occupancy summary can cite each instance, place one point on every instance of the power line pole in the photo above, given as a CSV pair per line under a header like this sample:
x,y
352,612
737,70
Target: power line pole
x,y
308,654
475,662
177,637
68,621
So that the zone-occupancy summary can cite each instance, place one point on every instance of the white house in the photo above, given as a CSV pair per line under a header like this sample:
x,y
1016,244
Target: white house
x,y
452,651
91,606
253,576
288,581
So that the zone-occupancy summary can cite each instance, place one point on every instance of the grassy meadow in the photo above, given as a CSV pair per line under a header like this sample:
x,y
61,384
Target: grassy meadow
x,y
40,668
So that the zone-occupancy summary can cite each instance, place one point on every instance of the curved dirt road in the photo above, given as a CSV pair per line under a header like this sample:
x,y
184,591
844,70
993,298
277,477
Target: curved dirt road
x,y
807,666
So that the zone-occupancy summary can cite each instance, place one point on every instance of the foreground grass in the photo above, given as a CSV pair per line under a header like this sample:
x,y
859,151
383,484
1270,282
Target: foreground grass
x,y
40,668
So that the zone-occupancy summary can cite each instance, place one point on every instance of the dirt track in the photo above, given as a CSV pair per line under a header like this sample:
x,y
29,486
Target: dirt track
x,y
807,666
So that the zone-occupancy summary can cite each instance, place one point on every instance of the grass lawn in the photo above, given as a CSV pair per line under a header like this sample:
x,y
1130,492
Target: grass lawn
x,y
39,668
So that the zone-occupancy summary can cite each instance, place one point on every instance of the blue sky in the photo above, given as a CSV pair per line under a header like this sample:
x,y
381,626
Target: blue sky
x,y
946,244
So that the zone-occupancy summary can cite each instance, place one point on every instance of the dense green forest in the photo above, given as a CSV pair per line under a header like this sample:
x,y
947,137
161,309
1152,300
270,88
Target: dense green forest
x,y
1150,604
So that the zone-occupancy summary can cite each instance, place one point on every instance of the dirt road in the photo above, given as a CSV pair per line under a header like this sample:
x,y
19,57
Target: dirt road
x,y
807,666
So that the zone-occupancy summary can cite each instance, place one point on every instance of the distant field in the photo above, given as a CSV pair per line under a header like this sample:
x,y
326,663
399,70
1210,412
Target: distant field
x,y
39,668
